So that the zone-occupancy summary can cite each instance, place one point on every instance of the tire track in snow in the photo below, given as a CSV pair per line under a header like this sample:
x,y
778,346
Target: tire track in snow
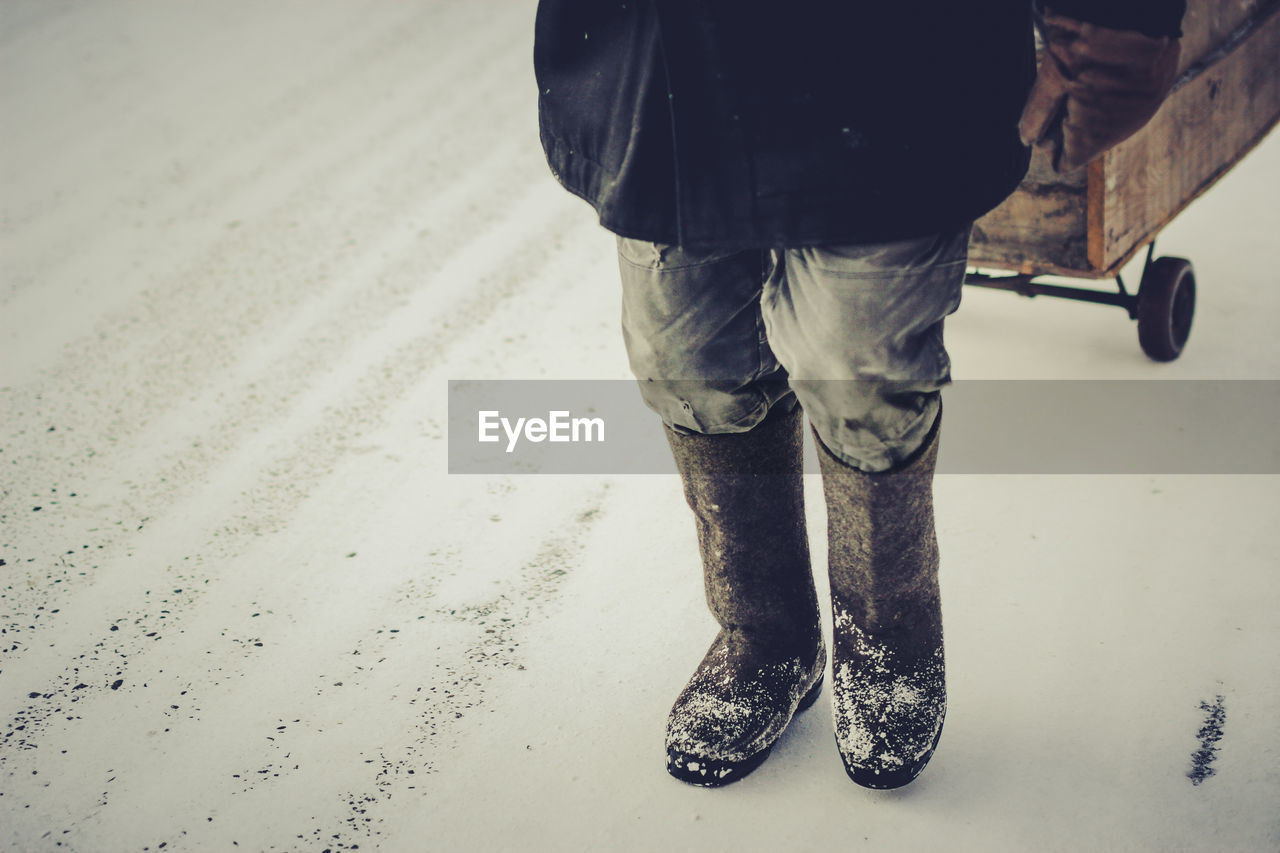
x,y
376,388
377,103
142,366
170,452
131,619
285,451
402,726
460,685
294,78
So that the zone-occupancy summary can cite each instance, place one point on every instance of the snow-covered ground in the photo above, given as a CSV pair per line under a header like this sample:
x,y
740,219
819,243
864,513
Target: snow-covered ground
x,y
243,605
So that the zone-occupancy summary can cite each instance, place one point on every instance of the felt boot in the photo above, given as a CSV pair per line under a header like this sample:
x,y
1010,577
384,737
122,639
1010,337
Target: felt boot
x,y
889,691
767,661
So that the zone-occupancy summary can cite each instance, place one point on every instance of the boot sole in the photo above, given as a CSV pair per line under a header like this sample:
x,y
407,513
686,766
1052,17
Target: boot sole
x,y
889,780
714,773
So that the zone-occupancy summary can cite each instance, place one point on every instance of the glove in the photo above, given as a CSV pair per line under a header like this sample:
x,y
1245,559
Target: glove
x,y
1095,88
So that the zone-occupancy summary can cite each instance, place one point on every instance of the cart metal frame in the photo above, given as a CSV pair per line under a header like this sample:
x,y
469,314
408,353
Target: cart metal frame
x,y
1163,305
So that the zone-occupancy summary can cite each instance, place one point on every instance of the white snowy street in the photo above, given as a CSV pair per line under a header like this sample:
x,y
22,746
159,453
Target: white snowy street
x,y
244,606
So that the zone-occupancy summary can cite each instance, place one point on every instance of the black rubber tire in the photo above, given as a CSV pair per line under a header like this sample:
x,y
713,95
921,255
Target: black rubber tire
x,y
1166,304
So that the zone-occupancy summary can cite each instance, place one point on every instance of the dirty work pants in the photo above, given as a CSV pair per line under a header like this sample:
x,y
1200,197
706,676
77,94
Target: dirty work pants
x,y
853,332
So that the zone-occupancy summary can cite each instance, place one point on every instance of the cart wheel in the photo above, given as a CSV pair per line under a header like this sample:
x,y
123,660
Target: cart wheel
x,y
1166,302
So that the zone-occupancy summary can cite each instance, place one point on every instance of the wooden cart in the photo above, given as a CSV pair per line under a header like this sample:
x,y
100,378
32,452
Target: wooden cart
x,y
1091,222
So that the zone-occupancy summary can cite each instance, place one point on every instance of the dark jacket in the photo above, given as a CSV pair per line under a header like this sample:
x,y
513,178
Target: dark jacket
x,y
793,122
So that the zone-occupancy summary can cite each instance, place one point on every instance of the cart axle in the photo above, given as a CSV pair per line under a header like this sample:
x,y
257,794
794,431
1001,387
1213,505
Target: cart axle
x,y
1026,285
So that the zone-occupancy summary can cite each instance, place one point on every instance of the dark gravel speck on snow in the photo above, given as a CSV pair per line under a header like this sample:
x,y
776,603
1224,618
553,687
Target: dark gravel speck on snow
x,y
1210,733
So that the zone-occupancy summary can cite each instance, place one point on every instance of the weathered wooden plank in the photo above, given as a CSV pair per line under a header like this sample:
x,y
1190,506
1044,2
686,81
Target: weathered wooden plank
x,y
1204,128
1208,23
1041,225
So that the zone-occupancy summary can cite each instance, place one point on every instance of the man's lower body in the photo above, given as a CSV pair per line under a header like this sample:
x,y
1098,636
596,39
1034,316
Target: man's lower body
x,y
729,347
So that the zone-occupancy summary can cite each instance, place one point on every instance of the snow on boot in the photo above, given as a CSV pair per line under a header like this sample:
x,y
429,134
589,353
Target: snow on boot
x,y
889,689
767,661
